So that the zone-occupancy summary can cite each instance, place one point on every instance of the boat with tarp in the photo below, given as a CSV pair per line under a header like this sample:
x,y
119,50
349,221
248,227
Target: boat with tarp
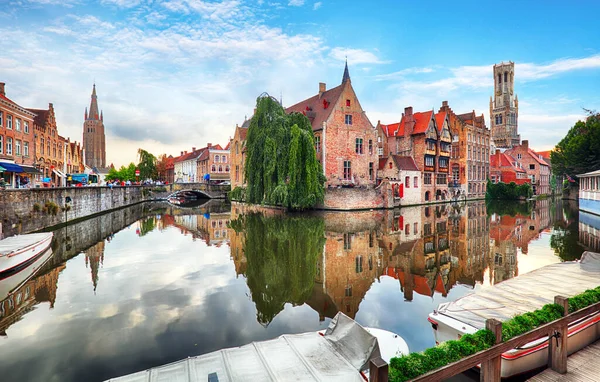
x,y
18,252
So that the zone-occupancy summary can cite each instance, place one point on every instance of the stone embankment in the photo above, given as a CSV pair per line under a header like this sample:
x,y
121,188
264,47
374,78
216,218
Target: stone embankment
x,y
27,210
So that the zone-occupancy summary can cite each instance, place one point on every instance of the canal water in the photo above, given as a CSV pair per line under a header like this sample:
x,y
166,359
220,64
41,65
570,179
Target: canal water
x,y
155,283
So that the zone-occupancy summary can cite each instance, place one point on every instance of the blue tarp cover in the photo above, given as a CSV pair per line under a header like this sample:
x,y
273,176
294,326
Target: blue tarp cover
x,y
11,167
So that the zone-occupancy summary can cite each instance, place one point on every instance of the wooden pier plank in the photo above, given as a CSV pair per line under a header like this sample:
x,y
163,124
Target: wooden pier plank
x,y
582,366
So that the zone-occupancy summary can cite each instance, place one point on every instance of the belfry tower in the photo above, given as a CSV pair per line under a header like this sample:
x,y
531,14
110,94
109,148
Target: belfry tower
x,y
94,143
504,108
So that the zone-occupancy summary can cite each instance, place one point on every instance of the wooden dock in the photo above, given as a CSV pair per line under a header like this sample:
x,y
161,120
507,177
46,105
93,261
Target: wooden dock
x,y
582,366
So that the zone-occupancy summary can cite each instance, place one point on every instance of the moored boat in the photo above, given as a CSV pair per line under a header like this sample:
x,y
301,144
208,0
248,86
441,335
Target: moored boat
x,y
18,252
519,295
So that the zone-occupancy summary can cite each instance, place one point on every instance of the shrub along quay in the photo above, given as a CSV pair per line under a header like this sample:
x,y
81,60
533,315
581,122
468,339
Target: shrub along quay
x,y
416,364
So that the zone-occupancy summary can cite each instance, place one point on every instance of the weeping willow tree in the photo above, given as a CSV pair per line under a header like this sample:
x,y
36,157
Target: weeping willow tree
x,y
281,165
281,254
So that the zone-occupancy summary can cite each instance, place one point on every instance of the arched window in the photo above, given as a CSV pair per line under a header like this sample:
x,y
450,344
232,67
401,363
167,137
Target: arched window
x,y
217,157
499,78
213,168
223,159
227,168
505,76
220,168
407,182
500,118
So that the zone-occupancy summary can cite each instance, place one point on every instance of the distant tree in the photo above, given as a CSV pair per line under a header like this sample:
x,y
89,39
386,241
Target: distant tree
x,y
147,165
579,151
161,167
112,174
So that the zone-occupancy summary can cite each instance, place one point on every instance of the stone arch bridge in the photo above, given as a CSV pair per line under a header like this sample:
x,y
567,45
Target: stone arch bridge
x,y
202,190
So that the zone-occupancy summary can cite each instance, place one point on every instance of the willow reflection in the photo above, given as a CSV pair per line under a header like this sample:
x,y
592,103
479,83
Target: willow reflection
x,y
281,254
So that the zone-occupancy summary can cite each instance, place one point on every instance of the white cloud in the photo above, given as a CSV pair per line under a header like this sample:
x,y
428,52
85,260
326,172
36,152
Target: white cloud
x,y
529,71
355,56
64,3
317,5
122,3
296,3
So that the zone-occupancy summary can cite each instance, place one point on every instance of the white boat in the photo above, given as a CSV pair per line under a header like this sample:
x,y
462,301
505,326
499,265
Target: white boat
x,y
525,293
340,353
17,252
12,282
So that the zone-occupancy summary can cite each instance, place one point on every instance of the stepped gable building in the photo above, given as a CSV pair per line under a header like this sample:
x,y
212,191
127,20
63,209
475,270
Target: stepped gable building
x,y
534,164
470,157
94,143
49,146
345,139
425,137
504,107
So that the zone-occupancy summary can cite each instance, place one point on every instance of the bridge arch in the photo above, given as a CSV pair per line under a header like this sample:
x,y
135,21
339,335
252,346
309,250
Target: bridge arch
x,y
190,194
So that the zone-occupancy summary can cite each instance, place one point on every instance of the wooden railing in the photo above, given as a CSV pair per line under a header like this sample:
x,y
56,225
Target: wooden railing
x,y
490,359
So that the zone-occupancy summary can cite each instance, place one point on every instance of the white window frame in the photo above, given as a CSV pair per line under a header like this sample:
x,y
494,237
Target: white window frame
x,y
17,147
1,144
25,148
1,118
9,146
348,119
9,121
17,124
26,127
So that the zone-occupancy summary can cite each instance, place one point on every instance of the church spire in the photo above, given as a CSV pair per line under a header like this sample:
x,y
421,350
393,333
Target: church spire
x,y
94,105
346,76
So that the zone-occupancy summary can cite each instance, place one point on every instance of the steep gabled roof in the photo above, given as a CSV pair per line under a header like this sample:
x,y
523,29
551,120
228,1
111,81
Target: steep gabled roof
x,y
504,160
41,116
393,129
467,118
545,154
382,162
189,156
439,120
422,120
405,163
536,156
318,108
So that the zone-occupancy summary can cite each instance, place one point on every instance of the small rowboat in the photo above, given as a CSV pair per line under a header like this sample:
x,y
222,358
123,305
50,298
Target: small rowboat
x,y
17,252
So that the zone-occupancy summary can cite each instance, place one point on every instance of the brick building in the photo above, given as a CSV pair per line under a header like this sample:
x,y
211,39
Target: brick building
x,y
237,148
427,138
345,139
17,155
534,164
470,158
94,141
214,161
504,168
49,146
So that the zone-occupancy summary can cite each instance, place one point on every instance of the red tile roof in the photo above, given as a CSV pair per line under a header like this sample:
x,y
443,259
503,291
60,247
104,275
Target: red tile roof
x,y
422,122
545,154
188,156
504,160
382,162
8,99
393,129
405,163
439,120
42,116
318,108
536,156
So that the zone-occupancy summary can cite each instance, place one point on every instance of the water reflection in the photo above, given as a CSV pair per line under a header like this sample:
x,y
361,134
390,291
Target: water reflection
x,y
154,283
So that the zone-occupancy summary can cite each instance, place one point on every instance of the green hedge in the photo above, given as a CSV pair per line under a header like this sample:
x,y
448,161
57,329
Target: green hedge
x,y
508,191
415,364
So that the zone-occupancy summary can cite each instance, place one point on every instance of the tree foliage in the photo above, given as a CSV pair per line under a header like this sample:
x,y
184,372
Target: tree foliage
x,y
281,255
123,173
281,166
161,167
147,165
579,151
508,191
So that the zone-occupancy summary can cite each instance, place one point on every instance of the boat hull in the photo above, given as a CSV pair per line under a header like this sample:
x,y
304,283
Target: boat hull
x,y
22,258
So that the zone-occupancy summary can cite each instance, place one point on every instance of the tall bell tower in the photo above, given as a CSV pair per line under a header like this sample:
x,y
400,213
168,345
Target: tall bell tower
x,y
94,144
504,107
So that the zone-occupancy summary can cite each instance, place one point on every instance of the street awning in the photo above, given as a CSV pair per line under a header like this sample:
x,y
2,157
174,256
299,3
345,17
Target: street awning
x,y
11,167
30,170
57,172
2,169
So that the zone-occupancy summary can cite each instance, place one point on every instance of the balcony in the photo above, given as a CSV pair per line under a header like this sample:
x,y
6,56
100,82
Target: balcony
x,y
430,152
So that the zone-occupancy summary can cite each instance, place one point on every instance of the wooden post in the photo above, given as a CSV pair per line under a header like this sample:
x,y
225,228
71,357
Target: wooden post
x,y
378,370
490,369
557,349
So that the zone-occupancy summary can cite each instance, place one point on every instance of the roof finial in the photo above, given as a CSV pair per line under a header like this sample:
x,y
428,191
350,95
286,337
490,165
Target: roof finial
x,y
346,76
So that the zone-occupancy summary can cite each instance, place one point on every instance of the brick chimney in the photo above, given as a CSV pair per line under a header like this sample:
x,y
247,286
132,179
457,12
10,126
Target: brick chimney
x,y
185,152
2,84
409,121
444,104
497,151
193,149
181,154
209,145
525,144
322,88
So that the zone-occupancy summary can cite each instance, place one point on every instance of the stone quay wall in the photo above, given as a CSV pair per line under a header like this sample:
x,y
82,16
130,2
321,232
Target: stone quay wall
x,y
358,198
27,210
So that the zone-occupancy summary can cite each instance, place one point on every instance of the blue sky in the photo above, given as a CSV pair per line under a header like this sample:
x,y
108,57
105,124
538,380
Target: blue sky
x,y
172,74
